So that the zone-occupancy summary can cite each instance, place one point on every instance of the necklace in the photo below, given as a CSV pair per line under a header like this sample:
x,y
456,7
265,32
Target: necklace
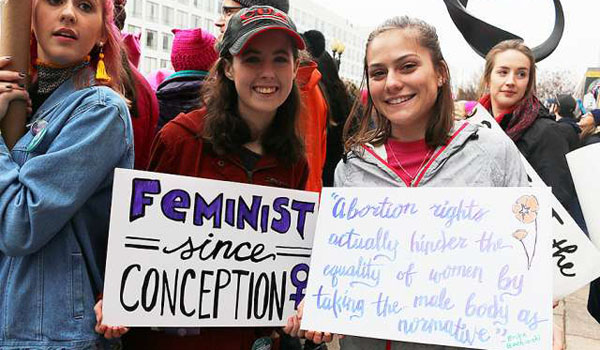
x,y
411,177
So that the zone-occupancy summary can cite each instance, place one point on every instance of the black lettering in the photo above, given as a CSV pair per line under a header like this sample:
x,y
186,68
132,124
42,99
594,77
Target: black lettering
x,y
560,254
202,291
122,292
258,314
192,274
218,288
172,298
152,274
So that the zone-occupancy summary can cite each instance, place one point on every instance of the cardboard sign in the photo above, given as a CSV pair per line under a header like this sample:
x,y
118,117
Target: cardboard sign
x,y
184,251
584,167
466,267
577,261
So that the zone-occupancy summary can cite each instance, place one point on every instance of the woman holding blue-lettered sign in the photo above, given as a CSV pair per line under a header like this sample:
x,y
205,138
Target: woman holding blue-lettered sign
x,y
245,133
406,136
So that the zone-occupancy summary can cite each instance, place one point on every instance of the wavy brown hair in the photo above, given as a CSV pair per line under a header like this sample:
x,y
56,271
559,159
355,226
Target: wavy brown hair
x,y
225,129
368,125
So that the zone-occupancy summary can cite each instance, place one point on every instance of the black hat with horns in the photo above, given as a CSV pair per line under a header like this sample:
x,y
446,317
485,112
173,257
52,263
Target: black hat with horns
x,y
482,36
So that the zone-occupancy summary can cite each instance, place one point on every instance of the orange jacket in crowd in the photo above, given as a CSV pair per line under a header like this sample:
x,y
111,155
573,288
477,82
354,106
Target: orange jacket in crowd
x,y
313,123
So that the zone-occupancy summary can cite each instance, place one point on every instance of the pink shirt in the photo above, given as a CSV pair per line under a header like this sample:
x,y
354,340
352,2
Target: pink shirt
x,y
407,158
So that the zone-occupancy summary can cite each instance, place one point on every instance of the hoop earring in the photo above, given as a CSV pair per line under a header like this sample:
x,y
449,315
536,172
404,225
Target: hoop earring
x,y
101,73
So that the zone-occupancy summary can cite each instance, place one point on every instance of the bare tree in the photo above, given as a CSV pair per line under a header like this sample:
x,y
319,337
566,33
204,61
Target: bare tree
x,y
469,89
553,82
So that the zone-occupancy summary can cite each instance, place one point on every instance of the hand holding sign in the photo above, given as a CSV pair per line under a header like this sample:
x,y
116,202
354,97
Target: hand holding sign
x,y
109,332
295,323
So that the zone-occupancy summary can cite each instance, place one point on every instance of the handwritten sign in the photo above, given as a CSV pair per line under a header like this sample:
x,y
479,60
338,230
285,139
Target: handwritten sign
x,y
184,251
584,167
577,261
465,267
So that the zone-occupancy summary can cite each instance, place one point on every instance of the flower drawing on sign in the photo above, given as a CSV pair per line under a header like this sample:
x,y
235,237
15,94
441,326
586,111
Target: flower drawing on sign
x,y
520,235
525,209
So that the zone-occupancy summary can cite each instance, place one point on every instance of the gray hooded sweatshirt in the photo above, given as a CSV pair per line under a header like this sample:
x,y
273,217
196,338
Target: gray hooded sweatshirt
x,y
473,157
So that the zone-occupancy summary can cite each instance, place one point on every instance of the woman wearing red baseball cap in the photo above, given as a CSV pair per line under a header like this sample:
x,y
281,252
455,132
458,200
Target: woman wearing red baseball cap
x,y
246,132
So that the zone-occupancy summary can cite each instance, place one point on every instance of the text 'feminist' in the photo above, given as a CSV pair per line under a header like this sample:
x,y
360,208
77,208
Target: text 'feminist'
x,y
235,211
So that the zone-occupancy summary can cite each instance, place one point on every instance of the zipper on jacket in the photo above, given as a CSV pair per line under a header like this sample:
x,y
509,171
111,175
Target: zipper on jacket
x,y
250,173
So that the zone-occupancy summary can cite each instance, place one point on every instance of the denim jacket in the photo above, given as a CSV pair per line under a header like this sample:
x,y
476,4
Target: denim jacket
x,y
55,192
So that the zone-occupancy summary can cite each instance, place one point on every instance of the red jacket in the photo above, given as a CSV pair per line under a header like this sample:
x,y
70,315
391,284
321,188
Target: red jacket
x,y
313,123
144,123
179,149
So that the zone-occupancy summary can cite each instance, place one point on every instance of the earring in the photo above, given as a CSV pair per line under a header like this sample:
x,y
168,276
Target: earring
x,y
101,73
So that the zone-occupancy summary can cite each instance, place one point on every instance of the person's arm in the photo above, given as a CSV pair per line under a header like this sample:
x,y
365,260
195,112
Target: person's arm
x,y
162,157
594,300
547,157
303,179
339,177
515,174
40,197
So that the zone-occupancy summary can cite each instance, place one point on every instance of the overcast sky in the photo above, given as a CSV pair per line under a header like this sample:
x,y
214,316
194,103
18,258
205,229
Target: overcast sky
x,y
533,20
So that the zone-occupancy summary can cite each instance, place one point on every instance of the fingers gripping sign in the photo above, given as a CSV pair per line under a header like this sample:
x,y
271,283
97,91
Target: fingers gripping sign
x,y
293,328
12,88
109,332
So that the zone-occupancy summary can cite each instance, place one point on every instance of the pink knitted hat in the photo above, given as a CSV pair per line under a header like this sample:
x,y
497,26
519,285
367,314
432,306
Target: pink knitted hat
x,y
193,49
132,44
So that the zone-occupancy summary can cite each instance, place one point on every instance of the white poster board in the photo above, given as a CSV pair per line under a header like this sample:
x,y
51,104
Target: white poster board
x,y
184,251
466,267
584,164
577,261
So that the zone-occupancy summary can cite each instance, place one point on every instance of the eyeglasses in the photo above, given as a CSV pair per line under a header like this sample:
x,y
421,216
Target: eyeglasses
x,y
228,11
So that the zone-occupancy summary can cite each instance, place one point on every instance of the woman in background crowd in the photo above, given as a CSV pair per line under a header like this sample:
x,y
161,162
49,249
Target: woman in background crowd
x,y
509,83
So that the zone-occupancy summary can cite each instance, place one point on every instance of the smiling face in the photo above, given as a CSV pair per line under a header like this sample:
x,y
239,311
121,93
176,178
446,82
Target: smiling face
x,y
403,82
508,80
67,30
263,74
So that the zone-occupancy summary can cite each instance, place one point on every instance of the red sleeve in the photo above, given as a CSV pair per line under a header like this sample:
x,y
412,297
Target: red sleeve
x,y
163,157
144,124
303,178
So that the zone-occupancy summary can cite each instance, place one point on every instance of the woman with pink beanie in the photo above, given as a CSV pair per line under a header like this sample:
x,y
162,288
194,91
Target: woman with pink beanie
x,y
192,56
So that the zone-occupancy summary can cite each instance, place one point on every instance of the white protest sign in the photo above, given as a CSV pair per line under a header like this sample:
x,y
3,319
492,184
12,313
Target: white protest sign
x,y
584,166
466,267
184,251
577,260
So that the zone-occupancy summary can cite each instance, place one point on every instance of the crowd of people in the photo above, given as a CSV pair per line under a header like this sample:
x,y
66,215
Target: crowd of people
x,y
260,104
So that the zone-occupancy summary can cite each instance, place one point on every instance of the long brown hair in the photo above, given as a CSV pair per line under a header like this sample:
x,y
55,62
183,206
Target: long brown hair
x,y
227,131
367,125
490,59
